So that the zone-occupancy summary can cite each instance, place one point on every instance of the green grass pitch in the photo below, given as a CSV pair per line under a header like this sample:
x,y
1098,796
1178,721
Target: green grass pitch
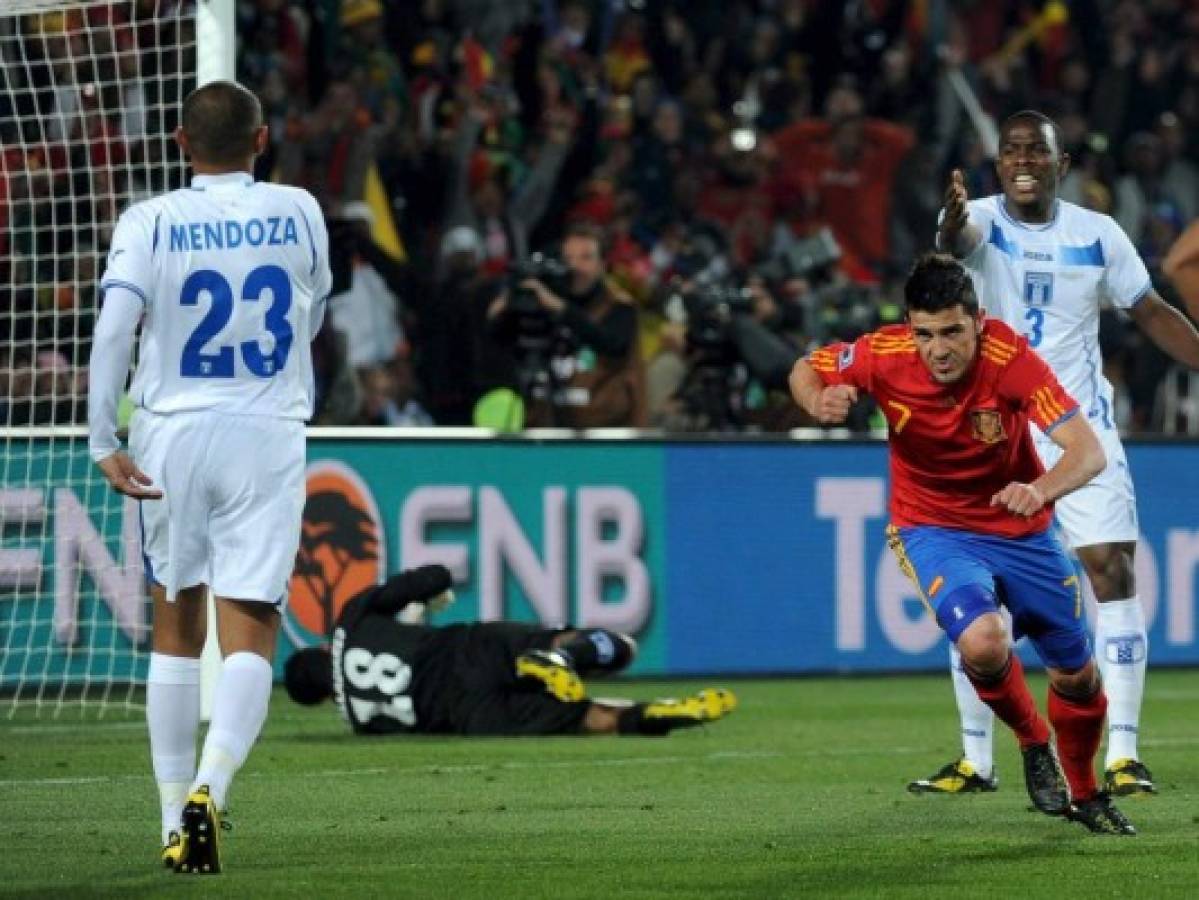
x,y
800,793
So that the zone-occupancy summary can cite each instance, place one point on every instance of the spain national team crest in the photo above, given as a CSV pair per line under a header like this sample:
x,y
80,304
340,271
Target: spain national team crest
x,y
987,426
341,551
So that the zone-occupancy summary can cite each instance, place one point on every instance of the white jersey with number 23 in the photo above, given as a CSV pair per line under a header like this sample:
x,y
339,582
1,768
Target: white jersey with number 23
x,y
232,274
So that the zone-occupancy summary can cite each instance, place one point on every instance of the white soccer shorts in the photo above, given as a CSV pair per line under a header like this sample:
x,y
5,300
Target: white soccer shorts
x,y
1103,511
233,501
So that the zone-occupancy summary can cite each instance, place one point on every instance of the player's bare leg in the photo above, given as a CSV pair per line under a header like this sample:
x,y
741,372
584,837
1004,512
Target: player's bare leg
x,y
1122,649
247,631
173,705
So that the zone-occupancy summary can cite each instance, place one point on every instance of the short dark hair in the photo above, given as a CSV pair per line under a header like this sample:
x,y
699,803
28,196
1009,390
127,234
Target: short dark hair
x,y
1035,118
308,676
938,282
221,120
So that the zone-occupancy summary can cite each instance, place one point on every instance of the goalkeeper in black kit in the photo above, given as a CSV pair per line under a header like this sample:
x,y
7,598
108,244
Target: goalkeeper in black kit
x,y
390,675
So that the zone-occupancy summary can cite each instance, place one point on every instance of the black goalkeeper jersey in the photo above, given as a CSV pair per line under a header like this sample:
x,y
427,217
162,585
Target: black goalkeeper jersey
x,y
380,667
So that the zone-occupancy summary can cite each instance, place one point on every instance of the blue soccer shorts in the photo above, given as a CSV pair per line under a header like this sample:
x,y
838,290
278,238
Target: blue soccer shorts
x,y
962,574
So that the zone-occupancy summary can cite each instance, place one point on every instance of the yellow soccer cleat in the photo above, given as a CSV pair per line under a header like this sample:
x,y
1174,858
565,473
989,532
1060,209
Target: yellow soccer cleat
x,y
553,672
1127,778
201,839
706,706
173,851
958,777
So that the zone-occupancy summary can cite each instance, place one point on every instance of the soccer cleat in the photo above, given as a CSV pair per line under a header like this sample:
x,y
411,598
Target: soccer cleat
x,y
201,835
173,851
1044,780
1100,816
1128,778
553,671
706,706
957,777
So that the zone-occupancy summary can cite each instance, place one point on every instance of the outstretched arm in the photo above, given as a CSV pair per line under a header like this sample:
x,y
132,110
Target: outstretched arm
x,y
420,585
956,234
1168,328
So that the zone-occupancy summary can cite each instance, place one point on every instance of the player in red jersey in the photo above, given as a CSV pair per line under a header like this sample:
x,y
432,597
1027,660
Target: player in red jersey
x,y
971,507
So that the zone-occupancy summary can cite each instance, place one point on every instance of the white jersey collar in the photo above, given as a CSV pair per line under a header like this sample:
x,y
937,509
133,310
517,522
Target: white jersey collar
x,y
1030,226
225,179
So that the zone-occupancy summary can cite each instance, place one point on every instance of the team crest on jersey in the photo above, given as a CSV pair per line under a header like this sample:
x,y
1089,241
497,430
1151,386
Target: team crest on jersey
x,y
987,426
1038,288
845,359
341,551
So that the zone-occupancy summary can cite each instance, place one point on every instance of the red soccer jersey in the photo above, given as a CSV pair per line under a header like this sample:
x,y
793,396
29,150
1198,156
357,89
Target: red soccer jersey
x,y
954,446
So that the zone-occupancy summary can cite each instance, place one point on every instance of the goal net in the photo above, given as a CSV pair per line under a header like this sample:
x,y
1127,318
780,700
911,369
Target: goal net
x,y
90,93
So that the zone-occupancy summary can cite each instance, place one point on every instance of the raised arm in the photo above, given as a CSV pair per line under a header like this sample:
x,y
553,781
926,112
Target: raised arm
x,y
956,234
423,584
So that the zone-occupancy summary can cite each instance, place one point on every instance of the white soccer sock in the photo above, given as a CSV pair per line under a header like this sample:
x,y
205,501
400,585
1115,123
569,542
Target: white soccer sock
x,y
978,722
1122,648
239,706
173,717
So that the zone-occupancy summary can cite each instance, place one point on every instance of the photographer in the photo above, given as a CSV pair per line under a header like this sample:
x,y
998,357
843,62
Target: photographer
x,y
575,341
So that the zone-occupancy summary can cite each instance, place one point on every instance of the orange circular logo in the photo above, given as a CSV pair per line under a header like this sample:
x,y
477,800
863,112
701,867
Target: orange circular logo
x,y
341,551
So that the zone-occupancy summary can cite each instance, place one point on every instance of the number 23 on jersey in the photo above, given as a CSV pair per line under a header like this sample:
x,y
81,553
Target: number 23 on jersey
x,y
201,361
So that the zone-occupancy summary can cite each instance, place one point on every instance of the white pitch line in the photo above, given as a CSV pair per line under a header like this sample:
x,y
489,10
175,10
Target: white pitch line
x,y
720,756
70,727
468,768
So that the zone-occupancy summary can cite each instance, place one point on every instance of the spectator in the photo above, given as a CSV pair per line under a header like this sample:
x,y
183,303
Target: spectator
x,y
367,312
588,371
478,197
840,172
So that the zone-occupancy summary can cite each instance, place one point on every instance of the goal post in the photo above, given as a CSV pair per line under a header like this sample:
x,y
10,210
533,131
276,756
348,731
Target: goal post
x,y
90,92
215,60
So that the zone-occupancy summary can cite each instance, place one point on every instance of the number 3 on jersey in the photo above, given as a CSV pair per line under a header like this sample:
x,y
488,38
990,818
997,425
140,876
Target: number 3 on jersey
x,y
1038,294
1036,319
196,363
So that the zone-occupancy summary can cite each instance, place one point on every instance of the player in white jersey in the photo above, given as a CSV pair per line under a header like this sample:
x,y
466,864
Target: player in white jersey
x,y
227,279
1044,266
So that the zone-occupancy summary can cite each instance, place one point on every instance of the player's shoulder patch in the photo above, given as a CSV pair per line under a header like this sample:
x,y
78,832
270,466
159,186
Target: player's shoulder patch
x,y
845,358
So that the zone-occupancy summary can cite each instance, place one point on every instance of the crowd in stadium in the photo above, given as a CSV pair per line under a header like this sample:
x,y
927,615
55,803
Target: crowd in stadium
x,y
761,172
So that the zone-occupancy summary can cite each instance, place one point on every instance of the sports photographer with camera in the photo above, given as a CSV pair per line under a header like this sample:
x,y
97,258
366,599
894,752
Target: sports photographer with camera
x,y
574,338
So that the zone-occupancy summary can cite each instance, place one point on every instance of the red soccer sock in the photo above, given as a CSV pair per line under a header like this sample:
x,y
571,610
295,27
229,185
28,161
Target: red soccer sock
x,y
1078,725
1009,697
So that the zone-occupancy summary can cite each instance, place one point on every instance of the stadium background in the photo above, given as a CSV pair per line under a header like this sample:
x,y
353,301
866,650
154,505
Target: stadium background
x,y
688,132
798,794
